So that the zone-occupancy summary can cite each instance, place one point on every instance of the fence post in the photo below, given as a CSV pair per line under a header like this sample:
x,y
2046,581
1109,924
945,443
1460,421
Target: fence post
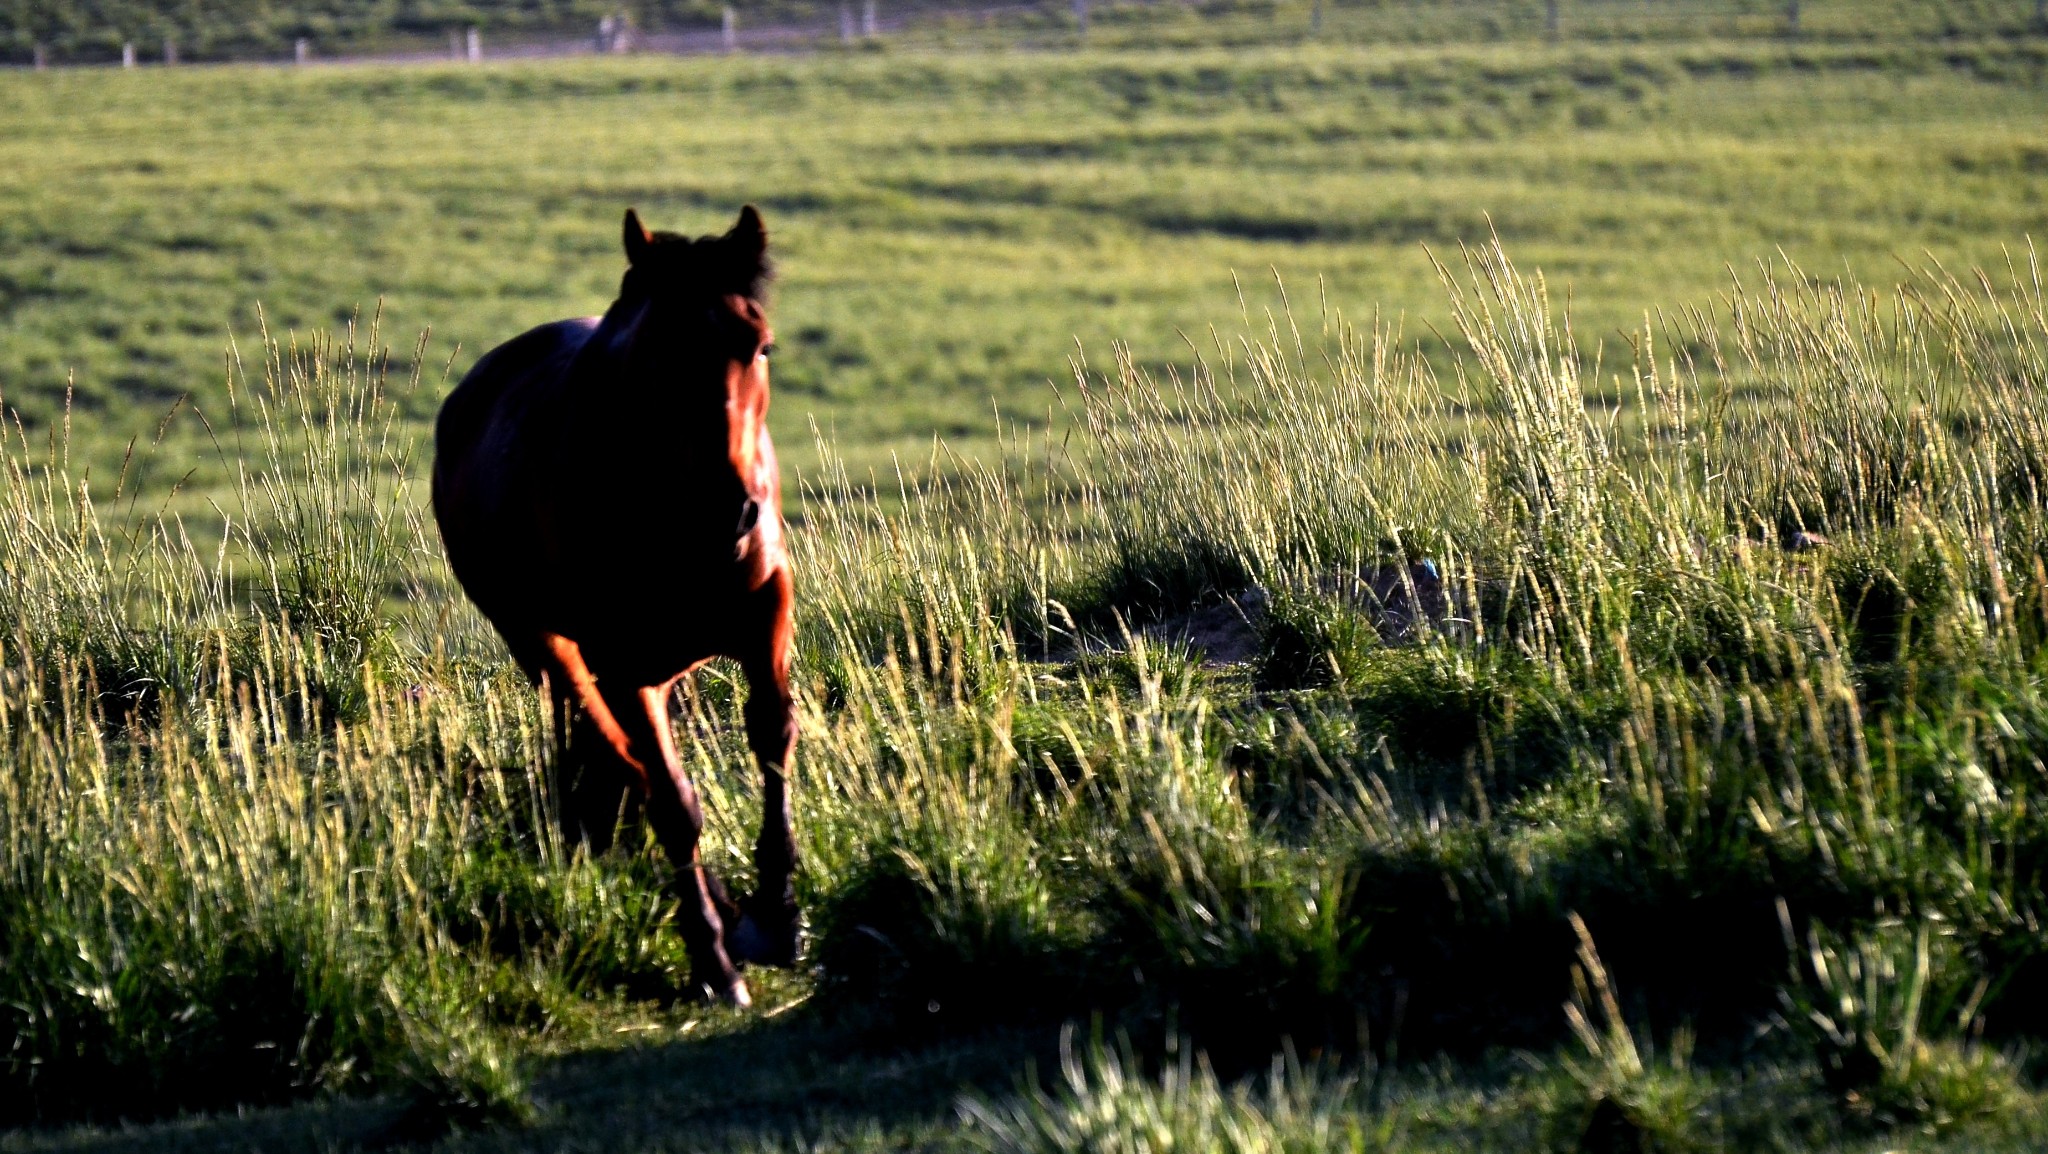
x,y
1315,20
729,30
1081,17
1792,17
454,44
128,54
868,22
170,52
473,44
846,21
42,57
302,50
1550,18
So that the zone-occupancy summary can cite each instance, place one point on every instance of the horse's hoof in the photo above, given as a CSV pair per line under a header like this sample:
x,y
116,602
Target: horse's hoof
x,y
764,946
733,995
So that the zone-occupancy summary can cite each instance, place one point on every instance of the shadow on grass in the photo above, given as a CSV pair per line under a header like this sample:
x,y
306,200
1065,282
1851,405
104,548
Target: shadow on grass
x,y
731,1082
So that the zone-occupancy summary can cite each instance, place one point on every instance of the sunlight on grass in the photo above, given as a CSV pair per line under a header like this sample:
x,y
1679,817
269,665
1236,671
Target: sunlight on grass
x,y
1743,690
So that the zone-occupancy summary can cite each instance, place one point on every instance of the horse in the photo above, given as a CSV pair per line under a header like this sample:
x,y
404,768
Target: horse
x,y
608,497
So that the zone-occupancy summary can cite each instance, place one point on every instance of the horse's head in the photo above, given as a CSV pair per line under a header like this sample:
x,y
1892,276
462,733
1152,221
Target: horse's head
x,y
690,329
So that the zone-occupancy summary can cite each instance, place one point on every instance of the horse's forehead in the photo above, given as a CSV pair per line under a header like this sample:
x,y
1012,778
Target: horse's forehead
x,y
746,308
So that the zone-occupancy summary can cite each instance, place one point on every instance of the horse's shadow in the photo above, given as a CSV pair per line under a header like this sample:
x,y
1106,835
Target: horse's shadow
x,y
796,1082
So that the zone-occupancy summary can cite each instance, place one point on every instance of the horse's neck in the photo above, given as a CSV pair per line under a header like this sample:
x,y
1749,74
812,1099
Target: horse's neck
x,y
607,400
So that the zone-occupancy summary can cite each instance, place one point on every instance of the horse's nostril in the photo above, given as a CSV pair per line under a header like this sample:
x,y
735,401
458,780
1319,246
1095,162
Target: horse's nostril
x,y
750,515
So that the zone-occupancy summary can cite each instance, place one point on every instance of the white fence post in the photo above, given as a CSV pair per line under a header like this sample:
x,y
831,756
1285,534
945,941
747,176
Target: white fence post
x,y
846,21
729,30
868,22
302,50
1081,17
614,34
128,54
473,44
170,52
42,58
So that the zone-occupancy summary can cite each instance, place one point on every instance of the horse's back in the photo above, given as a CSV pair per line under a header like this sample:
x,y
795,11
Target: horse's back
x,y
526,364
477,451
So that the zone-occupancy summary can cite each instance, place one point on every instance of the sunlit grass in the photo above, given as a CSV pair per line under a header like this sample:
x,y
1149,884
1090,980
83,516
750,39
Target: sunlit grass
x,y
1632,730
1563,699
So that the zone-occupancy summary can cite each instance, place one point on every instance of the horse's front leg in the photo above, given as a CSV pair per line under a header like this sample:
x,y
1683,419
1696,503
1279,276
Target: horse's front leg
x,y
678,820
768,931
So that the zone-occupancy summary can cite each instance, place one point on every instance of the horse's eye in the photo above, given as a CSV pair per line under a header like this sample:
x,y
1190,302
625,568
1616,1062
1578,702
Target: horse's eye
x,y
768,350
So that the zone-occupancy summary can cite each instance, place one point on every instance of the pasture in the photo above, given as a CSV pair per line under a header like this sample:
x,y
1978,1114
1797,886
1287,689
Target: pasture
x,y
950,228
1442,707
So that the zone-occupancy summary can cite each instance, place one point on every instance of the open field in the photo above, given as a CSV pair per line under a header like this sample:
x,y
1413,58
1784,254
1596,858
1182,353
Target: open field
x,y
1494,726
950,227
1559,793
246,30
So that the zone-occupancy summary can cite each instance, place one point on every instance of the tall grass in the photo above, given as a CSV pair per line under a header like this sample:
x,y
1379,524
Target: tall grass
x,y
1725,632
247,855
1723,653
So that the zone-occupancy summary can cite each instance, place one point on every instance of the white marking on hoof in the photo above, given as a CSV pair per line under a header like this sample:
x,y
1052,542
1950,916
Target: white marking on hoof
x,y
737,995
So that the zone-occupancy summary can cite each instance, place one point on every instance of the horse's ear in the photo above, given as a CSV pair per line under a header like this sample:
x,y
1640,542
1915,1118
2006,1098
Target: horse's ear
x,y
748,244
637,240
749,233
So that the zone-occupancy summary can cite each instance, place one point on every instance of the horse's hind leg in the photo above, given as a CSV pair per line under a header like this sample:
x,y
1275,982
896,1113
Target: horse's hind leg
x,y
592,780
678,820
593,794
768,931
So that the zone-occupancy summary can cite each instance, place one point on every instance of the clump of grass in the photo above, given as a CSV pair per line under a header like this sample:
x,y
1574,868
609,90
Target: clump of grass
x,y
455,1070
945,928
1633,1103
220,923
1891,1020
122,612
1309,642
327,518
1106,1101
1241,943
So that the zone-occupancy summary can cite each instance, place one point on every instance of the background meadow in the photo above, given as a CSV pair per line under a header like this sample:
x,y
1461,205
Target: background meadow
x,y
950,227
1519,624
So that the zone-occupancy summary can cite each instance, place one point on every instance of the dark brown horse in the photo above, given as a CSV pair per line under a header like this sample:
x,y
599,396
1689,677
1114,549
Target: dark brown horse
x,y
610,500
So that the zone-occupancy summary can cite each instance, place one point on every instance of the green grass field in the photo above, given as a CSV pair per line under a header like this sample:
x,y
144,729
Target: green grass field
x,y
1416,714
247,30
949,227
